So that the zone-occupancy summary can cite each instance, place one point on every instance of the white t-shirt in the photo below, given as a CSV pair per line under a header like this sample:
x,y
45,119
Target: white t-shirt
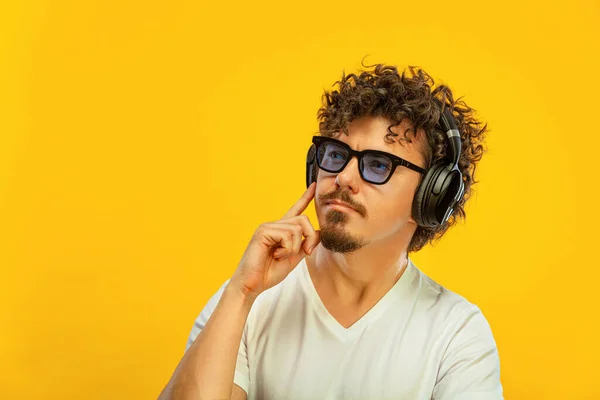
x,y
420,341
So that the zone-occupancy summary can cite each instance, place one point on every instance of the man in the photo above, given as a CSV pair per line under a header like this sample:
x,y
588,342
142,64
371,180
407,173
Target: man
x,y
343,313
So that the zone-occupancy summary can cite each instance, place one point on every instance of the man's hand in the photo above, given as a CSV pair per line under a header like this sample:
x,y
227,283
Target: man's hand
x,y
276,248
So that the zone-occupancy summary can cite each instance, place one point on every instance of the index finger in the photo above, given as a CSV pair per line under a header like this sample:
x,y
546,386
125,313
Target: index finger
x,y
301,204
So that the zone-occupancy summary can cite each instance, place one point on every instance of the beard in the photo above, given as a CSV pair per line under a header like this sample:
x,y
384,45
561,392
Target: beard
x,y
335,237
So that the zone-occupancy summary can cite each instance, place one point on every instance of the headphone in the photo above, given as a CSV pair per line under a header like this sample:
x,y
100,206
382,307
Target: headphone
x,y
441,188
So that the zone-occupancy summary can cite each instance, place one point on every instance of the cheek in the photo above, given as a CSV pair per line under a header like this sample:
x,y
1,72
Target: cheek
x,y
397,204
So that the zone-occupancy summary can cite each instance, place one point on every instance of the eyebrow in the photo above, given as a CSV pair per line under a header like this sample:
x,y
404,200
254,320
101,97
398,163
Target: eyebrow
x,y
389,148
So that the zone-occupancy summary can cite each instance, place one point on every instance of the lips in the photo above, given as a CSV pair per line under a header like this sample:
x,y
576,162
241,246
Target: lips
x,y
340,203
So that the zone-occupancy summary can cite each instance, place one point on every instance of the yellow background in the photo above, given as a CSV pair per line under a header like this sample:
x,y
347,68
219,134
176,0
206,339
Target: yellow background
x,y
142,142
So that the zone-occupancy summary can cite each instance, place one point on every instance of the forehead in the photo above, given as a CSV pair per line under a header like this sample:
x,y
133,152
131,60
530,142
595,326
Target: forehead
x,y
370,133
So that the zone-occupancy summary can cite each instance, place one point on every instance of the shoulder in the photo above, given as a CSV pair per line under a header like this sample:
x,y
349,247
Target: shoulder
x,y
439,301
469,361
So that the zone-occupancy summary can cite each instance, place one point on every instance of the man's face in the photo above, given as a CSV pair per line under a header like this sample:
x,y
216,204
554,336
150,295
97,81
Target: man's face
x,y
381,212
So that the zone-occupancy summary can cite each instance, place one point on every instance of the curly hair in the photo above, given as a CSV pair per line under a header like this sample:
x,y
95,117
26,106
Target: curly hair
x,y
383,91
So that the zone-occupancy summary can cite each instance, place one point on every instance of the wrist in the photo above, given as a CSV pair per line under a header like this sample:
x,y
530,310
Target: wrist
x,y
240,294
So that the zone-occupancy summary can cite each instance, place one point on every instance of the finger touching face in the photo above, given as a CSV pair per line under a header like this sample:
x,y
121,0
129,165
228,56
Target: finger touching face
x,y
302,203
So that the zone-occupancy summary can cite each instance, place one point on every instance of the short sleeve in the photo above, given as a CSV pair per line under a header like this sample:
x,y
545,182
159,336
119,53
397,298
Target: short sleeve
x,y
241,376
470,367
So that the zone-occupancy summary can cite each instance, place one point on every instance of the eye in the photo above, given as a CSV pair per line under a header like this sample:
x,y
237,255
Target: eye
x,y
334,154
379,166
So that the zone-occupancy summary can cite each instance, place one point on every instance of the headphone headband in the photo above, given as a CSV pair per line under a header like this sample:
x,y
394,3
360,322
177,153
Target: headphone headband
x,y
448,125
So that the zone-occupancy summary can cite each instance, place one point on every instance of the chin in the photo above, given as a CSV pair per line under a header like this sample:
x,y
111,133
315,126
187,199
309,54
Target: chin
x,y
339,240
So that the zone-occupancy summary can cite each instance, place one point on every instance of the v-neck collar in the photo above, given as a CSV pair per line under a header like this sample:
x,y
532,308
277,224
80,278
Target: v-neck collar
x,y
344,334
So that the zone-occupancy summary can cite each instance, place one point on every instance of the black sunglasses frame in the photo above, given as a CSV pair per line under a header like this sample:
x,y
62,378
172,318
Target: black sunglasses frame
x,y
319,140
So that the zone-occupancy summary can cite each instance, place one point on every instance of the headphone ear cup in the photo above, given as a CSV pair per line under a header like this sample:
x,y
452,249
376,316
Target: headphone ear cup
x,y
315,171
311,173
422,211
419,198
311,166
451,191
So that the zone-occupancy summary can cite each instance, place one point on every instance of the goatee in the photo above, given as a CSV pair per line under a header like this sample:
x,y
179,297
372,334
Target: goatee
x,y
335,238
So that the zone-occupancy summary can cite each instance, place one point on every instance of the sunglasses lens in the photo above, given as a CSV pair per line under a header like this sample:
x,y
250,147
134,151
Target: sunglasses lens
x,y
376,168
331,156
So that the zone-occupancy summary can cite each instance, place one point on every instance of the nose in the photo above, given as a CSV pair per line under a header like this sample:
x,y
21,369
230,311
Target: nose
x,y
350,176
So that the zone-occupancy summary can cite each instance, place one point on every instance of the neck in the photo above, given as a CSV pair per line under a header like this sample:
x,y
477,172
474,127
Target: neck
x,y
363,276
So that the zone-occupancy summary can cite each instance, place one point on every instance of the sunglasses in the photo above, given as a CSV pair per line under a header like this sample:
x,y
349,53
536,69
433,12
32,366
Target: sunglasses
x,y
374,166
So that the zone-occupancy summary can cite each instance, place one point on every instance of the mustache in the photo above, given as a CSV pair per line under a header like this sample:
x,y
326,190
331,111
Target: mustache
x,y
342,196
